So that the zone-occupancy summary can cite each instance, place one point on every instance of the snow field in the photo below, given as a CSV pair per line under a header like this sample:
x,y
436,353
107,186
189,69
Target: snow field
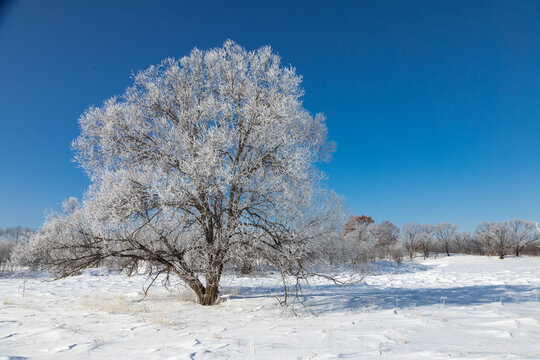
x,y
458,307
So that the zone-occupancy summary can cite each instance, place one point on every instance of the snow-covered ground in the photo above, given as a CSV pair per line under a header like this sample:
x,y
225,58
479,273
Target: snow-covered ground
x,y
458,307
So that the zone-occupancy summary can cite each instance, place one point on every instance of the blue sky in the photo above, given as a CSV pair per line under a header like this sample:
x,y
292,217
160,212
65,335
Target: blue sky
x,y
434,105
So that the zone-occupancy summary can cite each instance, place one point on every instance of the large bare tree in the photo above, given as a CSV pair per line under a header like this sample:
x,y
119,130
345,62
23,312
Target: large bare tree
x,y
204,160
445,233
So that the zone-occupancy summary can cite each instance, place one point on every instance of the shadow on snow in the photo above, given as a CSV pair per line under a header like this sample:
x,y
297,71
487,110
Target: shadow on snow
x,y
334,298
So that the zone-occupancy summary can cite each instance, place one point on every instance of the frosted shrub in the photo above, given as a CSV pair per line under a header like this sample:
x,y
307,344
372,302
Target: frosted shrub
x,y
6,248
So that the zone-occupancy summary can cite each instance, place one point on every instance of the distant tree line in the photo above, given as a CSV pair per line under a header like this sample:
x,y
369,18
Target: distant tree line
x,y
373,241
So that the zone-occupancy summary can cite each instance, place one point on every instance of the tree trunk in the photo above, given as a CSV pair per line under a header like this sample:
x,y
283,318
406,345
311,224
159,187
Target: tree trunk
x,y
207,295
447,250
210,295
197,287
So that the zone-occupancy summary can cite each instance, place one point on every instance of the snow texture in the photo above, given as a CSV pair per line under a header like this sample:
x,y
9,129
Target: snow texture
x,y
451,307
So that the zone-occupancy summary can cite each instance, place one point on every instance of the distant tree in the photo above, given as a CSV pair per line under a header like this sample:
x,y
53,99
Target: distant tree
x,y
15,233
202,159
523,233
387,234
467,243
6,248
483,234
357,221
9,238
373,241
361,231
496,237
444,233
425,240
411,234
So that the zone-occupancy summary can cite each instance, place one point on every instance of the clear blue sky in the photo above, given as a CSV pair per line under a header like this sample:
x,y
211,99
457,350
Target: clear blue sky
x,y
434,105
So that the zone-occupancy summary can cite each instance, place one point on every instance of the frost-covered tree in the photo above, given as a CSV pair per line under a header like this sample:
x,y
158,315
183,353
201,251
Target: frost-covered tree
x,y
411,234
6,248
372,241
496,237
425,241
361,234
523,233
467,243
387,234
10,238
203,160
502,238
417,237
388,246
445,233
